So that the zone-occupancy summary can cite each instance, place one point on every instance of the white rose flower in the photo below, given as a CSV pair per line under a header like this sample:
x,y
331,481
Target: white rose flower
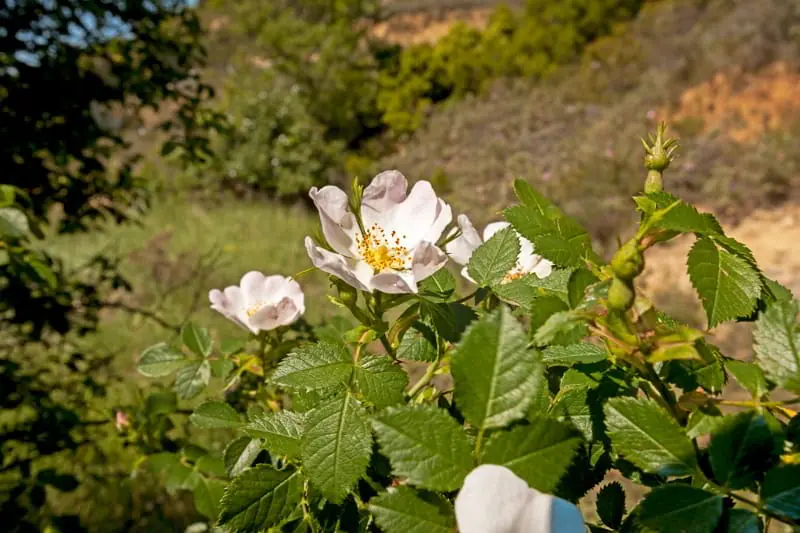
x,y
461,248
397,248
494,500
260,303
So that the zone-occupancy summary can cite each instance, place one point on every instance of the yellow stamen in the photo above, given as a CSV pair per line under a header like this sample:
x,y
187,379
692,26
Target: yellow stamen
x,y
381,253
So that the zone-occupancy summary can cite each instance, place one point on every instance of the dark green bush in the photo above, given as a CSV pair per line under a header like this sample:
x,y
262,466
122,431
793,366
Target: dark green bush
x,y
530,44
274,143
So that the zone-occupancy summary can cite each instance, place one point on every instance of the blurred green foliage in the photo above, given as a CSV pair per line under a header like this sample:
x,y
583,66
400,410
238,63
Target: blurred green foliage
x,y
72,74
274,144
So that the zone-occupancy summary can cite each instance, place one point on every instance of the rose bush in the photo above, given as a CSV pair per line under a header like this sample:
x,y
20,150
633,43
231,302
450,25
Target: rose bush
x,y
552,373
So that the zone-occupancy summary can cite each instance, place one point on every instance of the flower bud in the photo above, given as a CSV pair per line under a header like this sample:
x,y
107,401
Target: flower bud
x,y
628,262
620,295
348,295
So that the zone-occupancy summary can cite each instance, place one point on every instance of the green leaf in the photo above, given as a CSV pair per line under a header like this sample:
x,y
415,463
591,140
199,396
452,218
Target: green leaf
x,y
425,445
749,376
579,281
380,381
529,290
192,379
159,462
240,454
449,319
336,446
707,373
560,323
539,452
207,496
555,236
197,339
438,287
42,270
260,497
161,403
683,217
231,346
160,360
418,344
220,368
405,510
215,415
742,447
681,509
180,477
495,258
334,330
211,465
281,432
702,423
315,366
580,407
743,521
611,504
573,354
781,491
495,373
777,343
13,223
648,437
728,285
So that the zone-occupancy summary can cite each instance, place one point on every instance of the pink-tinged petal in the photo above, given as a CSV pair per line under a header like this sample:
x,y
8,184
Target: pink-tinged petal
x,y
413,218
462,247
333,264
491,500
338,224
293,291
394,282
228,303
492,228
548,514
272,316
428,258
385,192
444,215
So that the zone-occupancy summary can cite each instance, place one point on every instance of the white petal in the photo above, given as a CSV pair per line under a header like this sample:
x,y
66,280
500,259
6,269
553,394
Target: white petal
x,y
333,264
491,500
293,291
543,268
385,192
394,282
461,248
427,259
444,214
228,303
548,514
338,224
465,274
413,218
492,228
252,285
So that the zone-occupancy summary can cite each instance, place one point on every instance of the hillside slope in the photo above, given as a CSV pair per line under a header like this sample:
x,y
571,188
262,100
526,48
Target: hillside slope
x,y
724,73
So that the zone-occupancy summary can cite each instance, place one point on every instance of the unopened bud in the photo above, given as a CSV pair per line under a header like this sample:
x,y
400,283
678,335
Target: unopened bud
x,y
628,262
620,295
347,295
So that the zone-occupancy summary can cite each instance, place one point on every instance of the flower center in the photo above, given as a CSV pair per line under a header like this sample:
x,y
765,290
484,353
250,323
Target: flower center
x,y
253,309
511,276
382,252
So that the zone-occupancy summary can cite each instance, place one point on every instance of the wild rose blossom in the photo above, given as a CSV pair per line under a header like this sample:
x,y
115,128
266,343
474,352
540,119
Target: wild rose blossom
x,y
396,248
462,247
494,500
259,302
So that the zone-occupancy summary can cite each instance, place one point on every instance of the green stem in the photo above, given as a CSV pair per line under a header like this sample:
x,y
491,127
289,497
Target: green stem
x,y
425,379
